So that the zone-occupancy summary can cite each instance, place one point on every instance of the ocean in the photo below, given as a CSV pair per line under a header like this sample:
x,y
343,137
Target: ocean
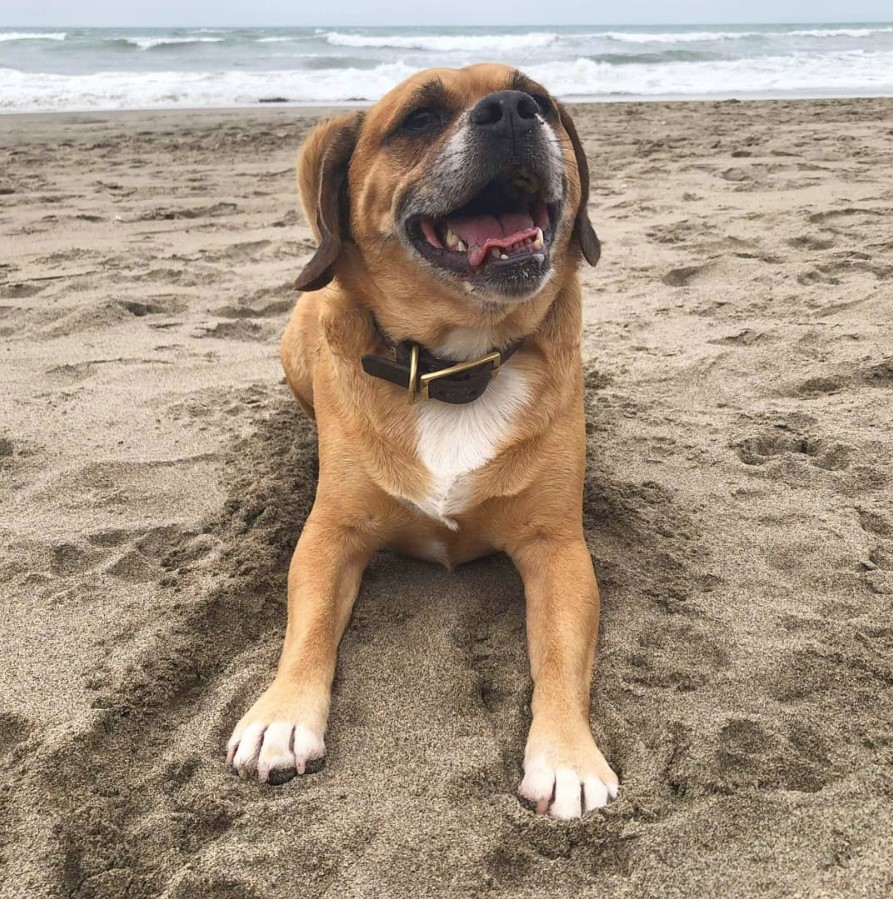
x,y
103,68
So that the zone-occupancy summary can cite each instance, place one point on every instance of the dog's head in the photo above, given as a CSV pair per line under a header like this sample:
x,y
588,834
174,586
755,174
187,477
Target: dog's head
x,y
464,187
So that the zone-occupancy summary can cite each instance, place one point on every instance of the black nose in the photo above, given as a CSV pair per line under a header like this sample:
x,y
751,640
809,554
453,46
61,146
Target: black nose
x,y
508,113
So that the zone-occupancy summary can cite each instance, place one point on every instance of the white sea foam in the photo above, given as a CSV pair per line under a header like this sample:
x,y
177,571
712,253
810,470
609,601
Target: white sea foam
x,y
141,90
821,74
32,36
838,32
676,37
148,43
687,37
446,43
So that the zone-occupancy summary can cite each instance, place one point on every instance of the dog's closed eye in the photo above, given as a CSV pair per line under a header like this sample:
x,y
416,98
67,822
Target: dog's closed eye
x,y
425,120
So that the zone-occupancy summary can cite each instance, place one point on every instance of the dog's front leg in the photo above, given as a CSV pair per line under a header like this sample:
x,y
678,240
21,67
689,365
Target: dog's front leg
x,y
284,729
564,771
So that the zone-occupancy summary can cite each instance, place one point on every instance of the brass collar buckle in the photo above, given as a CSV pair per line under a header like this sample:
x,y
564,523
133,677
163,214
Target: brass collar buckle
x,y
422,373
494,358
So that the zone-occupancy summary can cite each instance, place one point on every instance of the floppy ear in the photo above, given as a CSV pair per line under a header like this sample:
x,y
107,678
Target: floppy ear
x,y
322,182
583,230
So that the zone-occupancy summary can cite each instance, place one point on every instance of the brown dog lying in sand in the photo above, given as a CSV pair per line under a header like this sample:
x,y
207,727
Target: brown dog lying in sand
x,y
438,349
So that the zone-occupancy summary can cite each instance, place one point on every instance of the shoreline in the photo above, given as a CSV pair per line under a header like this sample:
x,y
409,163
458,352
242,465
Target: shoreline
x,y
325,108
84,116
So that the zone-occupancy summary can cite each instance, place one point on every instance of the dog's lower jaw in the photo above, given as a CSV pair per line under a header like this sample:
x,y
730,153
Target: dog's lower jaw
x,y
464,344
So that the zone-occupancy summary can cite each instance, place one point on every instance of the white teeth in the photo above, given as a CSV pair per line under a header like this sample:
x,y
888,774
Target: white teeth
x,y
461,247
450,239
538,240
504,256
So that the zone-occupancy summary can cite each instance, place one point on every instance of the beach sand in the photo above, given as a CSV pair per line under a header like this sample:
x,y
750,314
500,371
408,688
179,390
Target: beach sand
x,y
156,472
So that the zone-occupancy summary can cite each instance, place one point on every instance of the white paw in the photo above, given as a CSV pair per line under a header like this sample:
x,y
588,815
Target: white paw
x,y
568,792
274,752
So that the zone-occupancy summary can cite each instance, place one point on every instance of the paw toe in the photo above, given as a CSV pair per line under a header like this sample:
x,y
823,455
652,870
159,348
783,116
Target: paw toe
x,y
309,749
538,782
245,756
567,802
276,754
595,794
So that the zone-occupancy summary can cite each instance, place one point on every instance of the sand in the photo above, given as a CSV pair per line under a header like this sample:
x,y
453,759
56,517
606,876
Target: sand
x,y
156,473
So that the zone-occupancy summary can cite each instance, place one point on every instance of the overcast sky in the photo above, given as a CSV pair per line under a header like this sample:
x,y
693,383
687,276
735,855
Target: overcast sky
x,y
417,12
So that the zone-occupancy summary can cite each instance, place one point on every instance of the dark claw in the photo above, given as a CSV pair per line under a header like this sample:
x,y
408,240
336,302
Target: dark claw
x,y
313,766
279,776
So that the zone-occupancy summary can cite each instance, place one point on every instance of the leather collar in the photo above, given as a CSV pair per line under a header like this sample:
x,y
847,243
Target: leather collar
x,y
423,373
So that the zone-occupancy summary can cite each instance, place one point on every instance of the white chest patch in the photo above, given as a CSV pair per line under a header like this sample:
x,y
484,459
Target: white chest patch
x,y
456,441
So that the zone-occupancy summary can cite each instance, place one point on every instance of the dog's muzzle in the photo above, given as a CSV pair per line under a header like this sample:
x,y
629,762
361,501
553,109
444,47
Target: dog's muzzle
x,y
492,205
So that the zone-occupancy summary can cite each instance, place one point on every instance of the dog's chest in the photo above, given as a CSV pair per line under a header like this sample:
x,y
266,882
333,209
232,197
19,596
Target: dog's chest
x,y
454,442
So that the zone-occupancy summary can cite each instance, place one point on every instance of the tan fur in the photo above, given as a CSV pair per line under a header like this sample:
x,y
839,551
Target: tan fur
x,y
527,501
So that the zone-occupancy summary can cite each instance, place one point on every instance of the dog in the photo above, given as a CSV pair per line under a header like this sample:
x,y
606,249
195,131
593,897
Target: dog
x,y
437,346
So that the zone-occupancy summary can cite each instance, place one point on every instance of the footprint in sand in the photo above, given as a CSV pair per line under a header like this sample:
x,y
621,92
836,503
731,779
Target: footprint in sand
x,y
218,209
682,277
879,375
779,444
809,242
14,729
268,302
240,329
673,655
21,290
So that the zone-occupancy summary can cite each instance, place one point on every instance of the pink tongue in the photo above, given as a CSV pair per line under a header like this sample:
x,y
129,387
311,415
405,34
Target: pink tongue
x,y
481,232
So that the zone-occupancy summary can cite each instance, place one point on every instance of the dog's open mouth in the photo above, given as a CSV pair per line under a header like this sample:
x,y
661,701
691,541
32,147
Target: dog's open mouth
x,y
506,226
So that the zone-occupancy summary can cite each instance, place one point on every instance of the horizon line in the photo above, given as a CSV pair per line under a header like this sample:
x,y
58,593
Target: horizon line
x,y
482,25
